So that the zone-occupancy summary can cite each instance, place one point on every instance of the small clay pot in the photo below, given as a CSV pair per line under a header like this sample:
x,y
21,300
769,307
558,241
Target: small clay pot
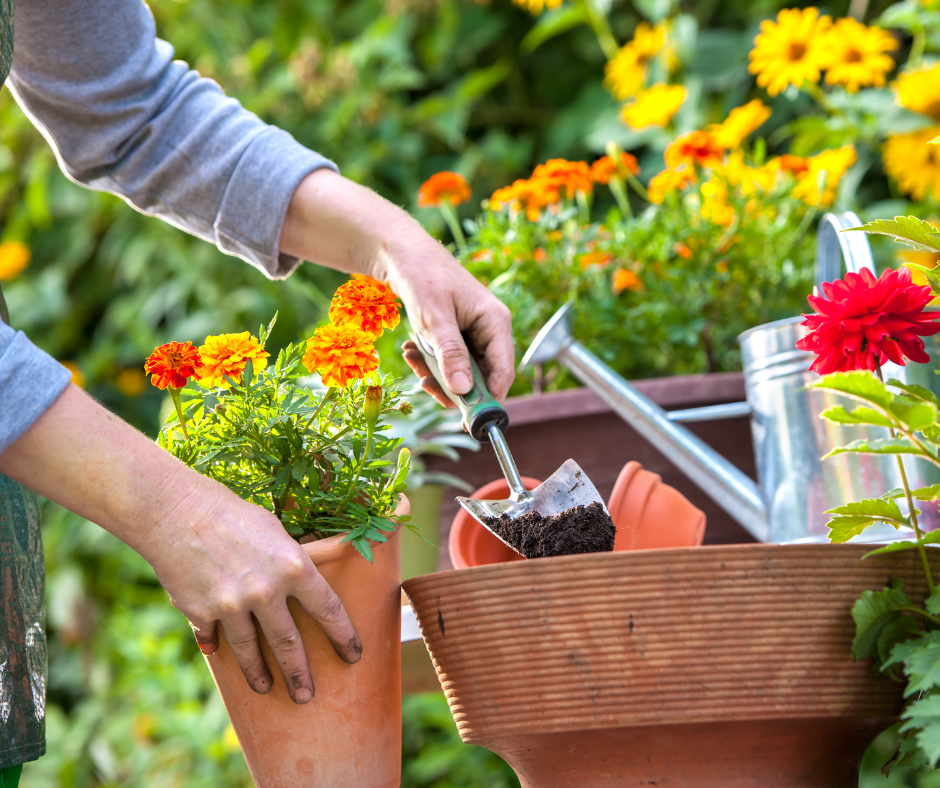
x,y
470,544
350,733
648,513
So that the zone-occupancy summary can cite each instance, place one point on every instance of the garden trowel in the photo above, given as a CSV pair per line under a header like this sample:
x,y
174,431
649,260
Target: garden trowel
x,y
486,421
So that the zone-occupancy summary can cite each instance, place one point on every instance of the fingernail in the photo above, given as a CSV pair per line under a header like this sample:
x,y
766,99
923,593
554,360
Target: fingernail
x,y
261,685
460,382
302,695
208,648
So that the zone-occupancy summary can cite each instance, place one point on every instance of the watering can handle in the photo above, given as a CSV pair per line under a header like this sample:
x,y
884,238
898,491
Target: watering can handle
x,y
833,246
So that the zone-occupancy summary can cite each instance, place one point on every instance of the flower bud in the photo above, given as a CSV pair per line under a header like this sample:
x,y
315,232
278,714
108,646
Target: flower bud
x,y
405,409
372,406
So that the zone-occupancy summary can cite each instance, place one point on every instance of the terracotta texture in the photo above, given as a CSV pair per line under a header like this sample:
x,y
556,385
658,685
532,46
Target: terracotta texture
x,y
648,513
470,544
721,667
350,733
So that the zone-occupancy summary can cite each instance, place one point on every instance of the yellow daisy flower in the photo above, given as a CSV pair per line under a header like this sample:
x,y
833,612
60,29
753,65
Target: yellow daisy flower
x,y
654,107
624,74
919,91
791,50
855,55
834,163
914,163
740,123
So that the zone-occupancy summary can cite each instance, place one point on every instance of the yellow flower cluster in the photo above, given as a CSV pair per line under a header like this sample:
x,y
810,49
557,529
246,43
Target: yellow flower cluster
x,y
537,6
909,158
654,107
800,45
626,71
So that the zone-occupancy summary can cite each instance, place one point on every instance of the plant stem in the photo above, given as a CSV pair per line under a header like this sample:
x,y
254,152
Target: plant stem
x,y
620,195
328,397
601,28
584,210
450,216
362,464
638,187
910,505
175,396
917,48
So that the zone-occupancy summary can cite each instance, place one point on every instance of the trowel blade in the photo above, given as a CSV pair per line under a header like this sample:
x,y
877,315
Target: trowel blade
x,y
568,486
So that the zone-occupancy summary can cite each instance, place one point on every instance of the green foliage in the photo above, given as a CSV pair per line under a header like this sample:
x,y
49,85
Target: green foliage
x,y
312,458
909,230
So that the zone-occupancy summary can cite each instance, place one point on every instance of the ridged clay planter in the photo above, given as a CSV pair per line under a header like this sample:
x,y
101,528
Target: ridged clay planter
x,y
350,733
646,513
721,667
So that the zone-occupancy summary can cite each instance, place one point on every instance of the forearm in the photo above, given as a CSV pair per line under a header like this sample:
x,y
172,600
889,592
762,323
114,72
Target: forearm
x,y
90,461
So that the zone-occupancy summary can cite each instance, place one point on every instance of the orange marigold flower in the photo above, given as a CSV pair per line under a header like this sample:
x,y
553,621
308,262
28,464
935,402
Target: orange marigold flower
x,y
564,177
625,279
527,195
606,168
696,147
594,257
451,187
172,364
14,257
78,377
228,354
340,354
669,181
366,303
540,255
682,250
794,164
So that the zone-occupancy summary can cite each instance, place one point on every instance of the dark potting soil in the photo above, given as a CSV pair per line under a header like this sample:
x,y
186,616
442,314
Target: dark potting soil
x,y
580,529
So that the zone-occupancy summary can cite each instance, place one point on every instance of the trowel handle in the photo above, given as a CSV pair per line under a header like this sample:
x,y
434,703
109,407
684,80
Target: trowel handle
x,y
478,407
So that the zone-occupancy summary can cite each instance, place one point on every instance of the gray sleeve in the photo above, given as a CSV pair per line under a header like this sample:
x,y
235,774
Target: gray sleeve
x,y
124,117
30,381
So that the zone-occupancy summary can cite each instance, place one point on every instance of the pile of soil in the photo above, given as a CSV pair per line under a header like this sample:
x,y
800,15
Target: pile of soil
x,y
580,529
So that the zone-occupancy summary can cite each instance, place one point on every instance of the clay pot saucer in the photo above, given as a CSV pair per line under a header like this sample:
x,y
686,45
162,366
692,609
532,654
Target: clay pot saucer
x,y
721,667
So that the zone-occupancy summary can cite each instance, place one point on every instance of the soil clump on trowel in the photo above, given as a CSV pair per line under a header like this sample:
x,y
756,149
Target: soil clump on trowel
x,y
580,529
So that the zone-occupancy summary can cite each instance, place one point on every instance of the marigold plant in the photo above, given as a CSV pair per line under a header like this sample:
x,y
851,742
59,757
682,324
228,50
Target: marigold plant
x,y
225,356
367,304
340,354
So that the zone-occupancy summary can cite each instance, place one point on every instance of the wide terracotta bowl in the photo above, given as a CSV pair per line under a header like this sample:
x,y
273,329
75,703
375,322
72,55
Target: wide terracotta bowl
x,y
720,667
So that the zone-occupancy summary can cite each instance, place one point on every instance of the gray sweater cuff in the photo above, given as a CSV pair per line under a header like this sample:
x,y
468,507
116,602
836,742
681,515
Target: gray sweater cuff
x,y
30,381
257,196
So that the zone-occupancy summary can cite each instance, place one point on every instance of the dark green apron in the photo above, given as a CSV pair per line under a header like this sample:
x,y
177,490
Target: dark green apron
x,y
22,583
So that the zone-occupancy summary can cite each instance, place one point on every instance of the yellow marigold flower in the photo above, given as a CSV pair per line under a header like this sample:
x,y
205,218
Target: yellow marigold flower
x,y
14,257
228,354
696,147
340,354
791,50
654,107
441,187
715,206
915,164
606,168
78,377
367,304
537,6
625,279
624,72
855,55
919,91
131,382
834,164
740,123
668,181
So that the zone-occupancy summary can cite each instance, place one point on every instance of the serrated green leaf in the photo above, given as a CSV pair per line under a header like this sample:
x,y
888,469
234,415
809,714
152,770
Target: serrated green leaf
x,y
917,414
872,507
932,604
908,230
859,385
917,392
931,493
841,529
840,415
872,612
921,658
877,446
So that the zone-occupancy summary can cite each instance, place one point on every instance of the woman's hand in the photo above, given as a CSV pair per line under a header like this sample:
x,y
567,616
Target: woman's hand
x,y
221,559
337,223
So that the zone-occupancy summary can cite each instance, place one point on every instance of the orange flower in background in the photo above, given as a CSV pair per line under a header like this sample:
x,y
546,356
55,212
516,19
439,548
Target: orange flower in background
x,y
228,354
834,163
78,377
682,250
669,181
14,257
529,196
696,147
606,168
131,382
340,354
625,279
740,124
594,257
172,364
564,177
367,304
796,165
451,187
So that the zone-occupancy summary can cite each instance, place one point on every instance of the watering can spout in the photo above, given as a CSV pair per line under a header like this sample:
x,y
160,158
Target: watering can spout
x,y
728,486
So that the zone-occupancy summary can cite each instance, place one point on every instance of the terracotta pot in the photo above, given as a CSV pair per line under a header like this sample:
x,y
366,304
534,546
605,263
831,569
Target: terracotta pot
x,y
721,667
350,733
470,544
648,513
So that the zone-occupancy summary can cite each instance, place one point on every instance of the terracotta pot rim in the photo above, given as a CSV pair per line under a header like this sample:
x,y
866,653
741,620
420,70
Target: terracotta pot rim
x,y
333,548
645,555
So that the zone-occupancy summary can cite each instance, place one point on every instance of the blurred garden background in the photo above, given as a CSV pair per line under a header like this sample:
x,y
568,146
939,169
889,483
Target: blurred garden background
x,y
395,91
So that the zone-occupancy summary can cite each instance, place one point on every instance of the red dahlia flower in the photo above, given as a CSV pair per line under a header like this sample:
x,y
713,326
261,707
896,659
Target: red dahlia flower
x,y
866,322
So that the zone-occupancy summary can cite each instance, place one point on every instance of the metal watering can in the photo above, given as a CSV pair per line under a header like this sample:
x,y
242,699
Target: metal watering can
x,y
796,487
